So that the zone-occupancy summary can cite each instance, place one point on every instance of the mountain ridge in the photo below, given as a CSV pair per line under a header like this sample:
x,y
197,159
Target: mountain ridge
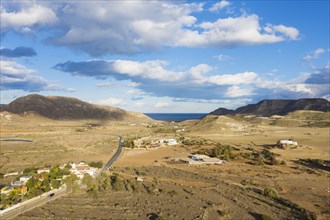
x,y
269,107
65,108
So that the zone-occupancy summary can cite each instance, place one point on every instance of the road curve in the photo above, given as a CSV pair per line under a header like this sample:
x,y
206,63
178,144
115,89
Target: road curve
x,y
62,192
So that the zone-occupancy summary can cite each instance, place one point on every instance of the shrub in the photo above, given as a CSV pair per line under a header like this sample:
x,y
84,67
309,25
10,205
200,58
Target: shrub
x,y
267,154
28,170
98,164
117,183
223,152
269,192
129,143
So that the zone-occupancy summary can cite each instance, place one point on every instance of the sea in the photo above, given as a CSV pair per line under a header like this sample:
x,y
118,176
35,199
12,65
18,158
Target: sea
x,y
177,117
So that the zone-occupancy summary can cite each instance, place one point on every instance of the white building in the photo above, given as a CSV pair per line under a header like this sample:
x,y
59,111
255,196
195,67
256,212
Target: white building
x,y
43,170
169,141
288,142
24,179
200,159
82,168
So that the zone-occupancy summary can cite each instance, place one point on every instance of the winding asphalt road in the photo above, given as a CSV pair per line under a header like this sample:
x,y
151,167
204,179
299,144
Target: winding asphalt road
x,y
43,199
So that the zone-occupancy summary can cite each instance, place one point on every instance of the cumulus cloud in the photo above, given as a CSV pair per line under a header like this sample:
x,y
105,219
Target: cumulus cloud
x,y
129,27
32,15
320,76
233,79
197,82
236,91
16,76
314,55
236,31
18,52
219,5
120,69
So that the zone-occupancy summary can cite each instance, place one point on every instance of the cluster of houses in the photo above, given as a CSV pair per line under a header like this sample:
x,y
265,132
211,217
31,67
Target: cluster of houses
x,y
200,159
154,143
76,168
18,186
81,168
289,142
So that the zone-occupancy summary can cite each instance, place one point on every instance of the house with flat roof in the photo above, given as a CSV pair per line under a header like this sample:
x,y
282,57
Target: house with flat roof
x,y
43,170
24,179
200,159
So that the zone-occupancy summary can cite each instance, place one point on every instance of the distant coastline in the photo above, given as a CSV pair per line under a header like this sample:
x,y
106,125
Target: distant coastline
x,y
177,117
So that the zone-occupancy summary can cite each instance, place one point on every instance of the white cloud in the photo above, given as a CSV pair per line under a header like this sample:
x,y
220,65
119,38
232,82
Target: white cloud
x,y
233,79
314,55
153,78
133,84
220,5
128,27
153,69
136,92
14,76
33,15
10,67
112,102
162,105
236,91
198,72
290,32
107,84
236,31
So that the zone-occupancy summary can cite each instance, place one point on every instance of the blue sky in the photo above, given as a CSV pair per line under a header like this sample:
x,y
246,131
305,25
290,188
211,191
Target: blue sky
x,y
165,56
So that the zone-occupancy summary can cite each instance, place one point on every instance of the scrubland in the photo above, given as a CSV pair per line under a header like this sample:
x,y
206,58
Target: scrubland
x,y
259,180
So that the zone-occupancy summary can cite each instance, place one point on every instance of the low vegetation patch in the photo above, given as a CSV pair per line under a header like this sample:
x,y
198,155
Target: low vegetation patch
x,y
269,192
98,164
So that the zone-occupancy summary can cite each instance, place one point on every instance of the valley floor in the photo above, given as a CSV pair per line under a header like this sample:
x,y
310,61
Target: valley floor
x,y
174,190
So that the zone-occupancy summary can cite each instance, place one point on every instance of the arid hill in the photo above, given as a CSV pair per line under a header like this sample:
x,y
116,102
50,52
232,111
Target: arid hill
x,y
268,108
65,108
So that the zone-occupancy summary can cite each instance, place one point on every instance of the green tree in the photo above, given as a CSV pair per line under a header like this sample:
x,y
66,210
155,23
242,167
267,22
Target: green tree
x,y
45,185
55,184
33,193
68,166
117,183
13,197
103,182
87,180
33,183
129,143
71,182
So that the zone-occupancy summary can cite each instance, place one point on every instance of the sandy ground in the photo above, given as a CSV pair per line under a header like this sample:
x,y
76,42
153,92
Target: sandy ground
x,y
202,192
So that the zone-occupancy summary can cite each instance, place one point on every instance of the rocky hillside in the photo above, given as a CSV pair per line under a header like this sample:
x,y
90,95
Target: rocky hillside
x,y
277,107
56,107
